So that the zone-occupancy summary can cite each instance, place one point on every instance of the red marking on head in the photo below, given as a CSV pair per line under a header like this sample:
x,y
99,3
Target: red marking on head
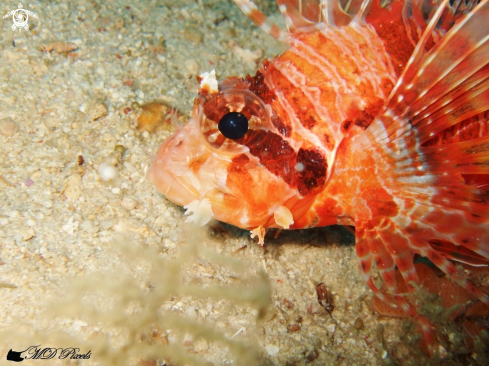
x,y
313,177
241,159
276,154
284,129
260,89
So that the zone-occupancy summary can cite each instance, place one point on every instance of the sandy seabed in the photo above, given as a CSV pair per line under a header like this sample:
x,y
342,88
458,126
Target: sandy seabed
x,y
70,88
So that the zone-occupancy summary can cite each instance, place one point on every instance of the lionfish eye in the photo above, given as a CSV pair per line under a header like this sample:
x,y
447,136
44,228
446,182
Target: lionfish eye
x,y
233,125
233,120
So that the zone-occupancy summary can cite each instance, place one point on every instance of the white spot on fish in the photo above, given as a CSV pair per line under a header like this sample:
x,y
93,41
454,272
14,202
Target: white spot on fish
x,y
299,167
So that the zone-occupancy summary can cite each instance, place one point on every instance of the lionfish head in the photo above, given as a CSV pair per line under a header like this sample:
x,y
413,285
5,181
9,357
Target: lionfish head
x,y
228,160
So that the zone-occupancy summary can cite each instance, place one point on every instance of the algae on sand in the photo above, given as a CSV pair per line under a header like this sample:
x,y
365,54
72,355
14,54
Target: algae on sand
x,y
137,316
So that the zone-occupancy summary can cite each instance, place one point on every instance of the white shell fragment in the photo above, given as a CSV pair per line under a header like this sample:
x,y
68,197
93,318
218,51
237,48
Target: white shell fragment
x,y
70,227
209,81
199,212
272,350
107,171
283,217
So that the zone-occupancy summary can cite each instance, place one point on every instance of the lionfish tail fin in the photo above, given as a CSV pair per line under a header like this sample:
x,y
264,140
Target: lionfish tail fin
x,y
430,145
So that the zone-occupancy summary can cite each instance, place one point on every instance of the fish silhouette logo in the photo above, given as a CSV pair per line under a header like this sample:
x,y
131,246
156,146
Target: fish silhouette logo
x,y
20,17
14,356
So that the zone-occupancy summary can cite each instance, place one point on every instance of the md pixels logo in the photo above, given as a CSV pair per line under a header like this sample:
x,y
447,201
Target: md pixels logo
x,y
47,353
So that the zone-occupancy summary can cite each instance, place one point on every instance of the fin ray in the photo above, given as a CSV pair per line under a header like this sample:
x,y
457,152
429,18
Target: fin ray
x,y
439,89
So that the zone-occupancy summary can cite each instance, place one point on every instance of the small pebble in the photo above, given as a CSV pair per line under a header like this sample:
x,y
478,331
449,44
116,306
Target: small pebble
x,y
73,189
119,149
97,111
119,23
193,36
294,327
70,227
359,324
8,127
330,328
70,93
130,168
10,55
50,121
4,221
31,223
59,47
190,312
153,117
107,137
201,345
13,214
192,66
116,190
100,70
107,171
272,350
128,203
157,49
314,354
107,224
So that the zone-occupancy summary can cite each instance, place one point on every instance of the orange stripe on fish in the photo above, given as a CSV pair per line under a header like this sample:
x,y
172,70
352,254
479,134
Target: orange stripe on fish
x,y
377,118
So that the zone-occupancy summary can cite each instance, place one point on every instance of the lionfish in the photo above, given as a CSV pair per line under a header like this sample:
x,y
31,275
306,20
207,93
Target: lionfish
x,y
377,117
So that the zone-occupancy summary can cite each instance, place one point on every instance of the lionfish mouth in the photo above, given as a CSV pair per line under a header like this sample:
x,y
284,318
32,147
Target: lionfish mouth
x,y
178,172
194,195
180,191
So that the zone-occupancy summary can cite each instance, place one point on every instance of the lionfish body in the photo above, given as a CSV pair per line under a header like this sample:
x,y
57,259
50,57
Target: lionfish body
x,y
376,118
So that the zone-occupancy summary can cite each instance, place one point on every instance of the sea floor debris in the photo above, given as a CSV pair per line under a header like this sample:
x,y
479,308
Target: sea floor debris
x,y
57,217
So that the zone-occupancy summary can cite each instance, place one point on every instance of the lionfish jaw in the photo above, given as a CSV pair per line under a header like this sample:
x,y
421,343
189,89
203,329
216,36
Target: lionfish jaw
x,y
168,171
188,175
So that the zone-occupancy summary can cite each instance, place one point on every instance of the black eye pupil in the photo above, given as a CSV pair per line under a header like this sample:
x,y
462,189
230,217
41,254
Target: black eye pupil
x,y
233,125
